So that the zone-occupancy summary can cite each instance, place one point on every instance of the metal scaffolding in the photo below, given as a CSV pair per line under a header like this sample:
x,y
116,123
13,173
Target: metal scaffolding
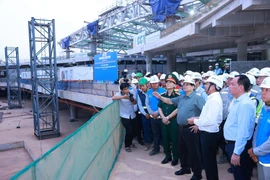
x,y
13,77
44,77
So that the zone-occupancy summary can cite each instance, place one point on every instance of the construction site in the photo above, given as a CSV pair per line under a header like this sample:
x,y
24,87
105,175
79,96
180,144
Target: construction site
x,y
57,116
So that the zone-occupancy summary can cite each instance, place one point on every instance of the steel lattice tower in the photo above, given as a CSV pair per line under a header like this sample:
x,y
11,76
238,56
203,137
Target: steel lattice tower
x,y
13,77
44,77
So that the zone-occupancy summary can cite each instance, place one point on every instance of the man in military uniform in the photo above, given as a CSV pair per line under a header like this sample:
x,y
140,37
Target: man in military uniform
x,y
169,127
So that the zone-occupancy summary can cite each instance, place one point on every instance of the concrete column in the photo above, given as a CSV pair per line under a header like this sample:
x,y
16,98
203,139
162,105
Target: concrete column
x,y
148,61
171,62
68,53
242,51
72,113
93,46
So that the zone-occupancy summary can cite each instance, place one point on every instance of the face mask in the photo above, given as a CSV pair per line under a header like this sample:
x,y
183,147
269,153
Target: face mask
x,y
216,67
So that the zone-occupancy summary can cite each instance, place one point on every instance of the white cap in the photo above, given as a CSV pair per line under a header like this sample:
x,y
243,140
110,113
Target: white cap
x,y
134,81
216,80
176,74
154,79
162,76
233,74
197,75
181,77
254,72
265,83
264,72
189,80
252,79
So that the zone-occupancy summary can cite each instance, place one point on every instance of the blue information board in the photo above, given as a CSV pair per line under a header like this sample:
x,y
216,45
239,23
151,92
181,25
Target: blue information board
x,y
105,67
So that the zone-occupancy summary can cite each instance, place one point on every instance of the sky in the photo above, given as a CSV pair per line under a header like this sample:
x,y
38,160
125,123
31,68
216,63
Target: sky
x,y
69,16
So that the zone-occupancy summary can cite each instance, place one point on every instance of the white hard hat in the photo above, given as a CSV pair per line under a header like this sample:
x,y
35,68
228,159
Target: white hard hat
x,y
254,72
176,74
189,72
224,77
147,74
210,73
125,70
134,81
154,79
133,75
216,64
181,77
216,80
196,75
264,72
233,74
266,83
252,79
162,76
189,80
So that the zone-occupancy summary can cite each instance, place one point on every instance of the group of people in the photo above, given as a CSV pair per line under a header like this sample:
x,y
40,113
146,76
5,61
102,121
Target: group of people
x,y
193,115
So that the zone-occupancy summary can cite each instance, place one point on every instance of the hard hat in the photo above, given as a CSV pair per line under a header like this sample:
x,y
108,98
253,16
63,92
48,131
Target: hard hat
x,y
162,76
125,70
147,74
209,66
233,74
134,81
147,78
176,74
266,83
133,75
224,77
196,75
210,73
154,79
189,72
139,75
254,72
216,80
252,79
181,77
264,72
216,64
189,80
171,77
143,81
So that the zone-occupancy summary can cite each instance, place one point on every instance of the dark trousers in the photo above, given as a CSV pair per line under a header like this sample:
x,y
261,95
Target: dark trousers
x,y
156,129
128,124
209,144
189,150
241,172
146,129
222,142
138,127
170,139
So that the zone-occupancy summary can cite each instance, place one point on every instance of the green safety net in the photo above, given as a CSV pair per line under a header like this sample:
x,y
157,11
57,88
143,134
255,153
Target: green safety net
x,y
88,153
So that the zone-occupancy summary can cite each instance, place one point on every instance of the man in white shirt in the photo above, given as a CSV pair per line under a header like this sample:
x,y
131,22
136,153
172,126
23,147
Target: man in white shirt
x,y
208,124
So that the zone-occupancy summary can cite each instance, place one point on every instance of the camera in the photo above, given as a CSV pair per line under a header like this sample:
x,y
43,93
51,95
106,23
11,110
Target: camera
x,y
125,80
131,98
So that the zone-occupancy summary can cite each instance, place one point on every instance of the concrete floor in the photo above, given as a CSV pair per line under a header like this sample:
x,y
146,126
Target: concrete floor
x,y
138,165
9,134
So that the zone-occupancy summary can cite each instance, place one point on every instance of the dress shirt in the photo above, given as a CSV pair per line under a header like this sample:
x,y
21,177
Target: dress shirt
x,y
201,92
240,123
211,115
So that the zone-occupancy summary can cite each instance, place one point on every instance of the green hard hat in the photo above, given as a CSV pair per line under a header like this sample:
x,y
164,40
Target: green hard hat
x,y
143,81
138,75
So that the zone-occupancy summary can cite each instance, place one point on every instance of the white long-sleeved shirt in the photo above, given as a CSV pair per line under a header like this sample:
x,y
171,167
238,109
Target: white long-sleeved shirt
x,y
211,115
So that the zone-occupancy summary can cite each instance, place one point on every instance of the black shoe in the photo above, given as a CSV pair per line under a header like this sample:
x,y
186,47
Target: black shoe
x,y
166,160
182,172
174,162
153,152
230,170
194,177
141,142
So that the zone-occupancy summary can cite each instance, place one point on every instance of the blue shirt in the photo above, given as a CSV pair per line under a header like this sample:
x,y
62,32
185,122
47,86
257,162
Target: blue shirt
x,y
152,101
261,141
239,126
218,71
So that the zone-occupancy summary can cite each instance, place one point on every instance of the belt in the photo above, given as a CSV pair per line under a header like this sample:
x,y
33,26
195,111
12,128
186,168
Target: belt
x,y
230,142
185,126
